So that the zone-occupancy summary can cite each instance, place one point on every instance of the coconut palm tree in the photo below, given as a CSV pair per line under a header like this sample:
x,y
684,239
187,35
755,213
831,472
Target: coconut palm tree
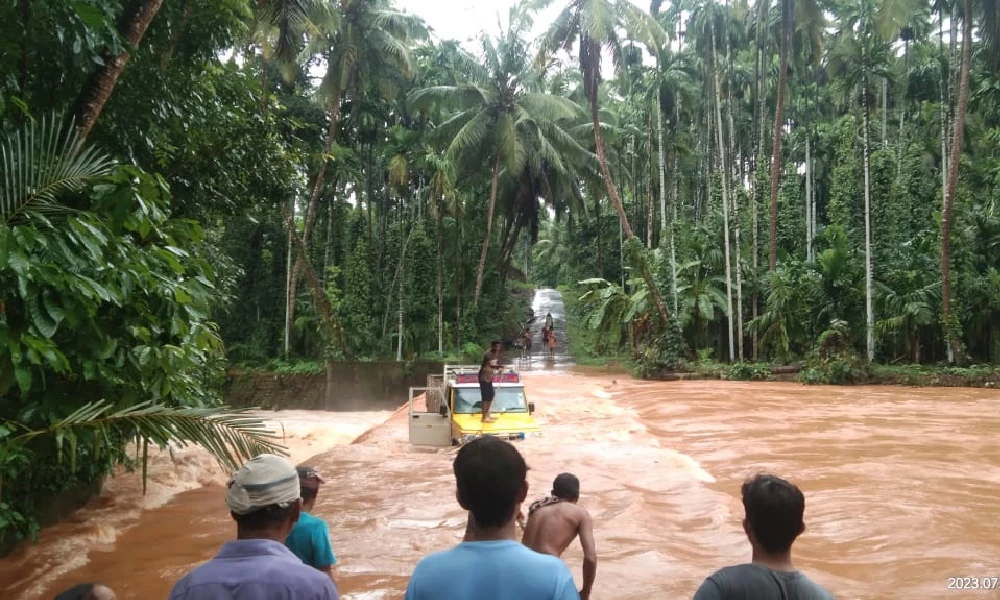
x,y
497,116
366,44
593,26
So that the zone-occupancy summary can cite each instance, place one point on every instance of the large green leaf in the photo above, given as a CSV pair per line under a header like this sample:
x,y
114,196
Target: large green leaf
x,y
42,162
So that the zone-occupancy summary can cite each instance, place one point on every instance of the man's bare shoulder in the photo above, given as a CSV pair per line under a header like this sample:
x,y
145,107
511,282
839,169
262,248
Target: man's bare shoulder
x,y
569,511
580,512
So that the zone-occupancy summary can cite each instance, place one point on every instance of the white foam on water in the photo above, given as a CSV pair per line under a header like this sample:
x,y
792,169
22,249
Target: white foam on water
x,y
373,595
171,470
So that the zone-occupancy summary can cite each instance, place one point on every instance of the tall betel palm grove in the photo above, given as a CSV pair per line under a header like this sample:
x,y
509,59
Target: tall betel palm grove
x,y
190,186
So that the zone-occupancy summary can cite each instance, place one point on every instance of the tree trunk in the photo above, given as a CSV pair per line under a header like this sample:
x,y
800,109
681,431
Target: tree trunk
x,y
736,158
311,211
137,16
786,27
622,218
673,233
650,204
440,286
662,164
289,299
869,312
176,36
761,55
809,232
951,335
318,293
721,148
489,229
812,201
885,111
328,246
399,306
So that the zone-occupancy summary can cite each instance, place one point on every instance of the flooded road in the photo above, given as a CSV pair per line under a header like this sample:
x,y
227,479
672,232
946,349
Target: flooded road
x,y
902,492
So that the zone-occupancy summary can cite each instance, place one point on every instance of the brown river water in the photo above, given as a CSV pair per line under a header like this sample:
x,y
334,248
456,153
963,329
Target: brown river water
x,y
902,491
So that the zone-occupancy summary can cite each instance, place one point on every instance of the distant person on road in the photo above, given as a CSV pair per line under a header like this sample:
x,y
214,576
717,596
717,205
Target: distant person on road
x,y
310,538
551,343
491,479
527,341
548,321
774,509
554,522
263,498
489,366
87,591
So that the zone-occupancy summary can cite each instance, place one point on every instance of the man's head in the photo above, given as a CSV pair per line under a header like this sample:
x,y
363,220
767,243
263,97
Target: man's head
x,y
774,509
87,591
496,345
566,487
309,482
491,477
263,497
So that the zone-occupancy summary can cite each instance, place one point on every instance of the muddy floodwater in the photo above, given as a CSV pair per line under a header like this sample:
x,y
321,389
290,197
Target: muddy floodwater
x,y
902,491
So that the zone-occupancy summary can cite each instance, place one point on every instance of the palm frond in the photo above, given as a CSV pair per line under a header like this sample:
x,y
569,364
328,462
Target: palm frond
x,y
472,134
231,436
509,144
42,162
291,19
458,97
550,107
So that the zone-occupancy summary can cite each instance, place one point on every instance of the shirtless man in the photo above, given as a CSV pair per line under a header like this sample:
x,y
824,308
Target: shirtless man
x,y
554,522
489,366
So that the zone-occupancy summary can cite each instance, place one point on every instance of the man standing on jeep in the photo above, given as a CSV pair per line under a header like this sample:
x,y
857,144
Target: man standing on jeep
x,y
490,365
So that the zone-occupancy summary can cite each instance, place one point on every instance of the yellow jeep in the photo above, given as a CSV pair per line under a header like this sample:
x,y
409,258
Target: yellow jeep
x,y
451,410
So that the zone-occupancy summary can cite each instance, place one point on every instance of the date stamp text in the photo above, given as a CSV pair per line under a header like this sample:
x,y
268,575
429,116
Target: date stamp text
x,y
973,583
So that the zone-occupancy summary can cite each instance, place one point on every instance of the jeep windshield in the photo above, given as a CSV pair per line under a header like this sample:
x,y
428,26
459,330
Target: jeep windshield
x,y
507,400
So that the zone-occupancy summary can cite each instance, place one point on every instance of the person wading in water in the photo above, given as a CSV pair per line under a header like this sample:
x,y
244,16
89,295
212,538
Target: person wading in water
x,y
774,509
489,366
554,522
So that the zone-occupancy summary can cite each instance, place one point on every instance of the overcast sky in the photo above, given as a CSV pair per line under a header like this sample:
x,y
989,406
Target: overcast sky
x,y
461,20
464,19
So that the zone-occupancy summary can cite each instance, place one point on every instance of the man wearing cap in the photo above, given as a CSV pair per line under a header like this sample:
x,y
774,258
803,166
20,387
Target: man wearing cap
x,y
263,499
310,538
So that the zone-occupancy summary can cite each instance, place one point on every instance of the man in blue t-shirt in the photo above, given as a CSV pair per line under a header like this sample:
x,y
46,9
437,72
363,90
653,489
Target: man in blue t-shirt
x,y
310,538
491,564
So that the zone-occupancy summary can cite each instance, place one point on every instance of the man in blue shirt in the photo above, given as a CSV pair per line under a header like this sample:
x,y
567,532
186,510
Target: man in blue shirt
x,y
491,564
263,498
310,538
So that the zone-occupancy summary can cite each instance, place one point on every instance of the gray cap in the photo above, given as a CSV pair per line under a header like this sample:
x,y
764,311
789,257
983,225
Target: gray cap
x,y
265,480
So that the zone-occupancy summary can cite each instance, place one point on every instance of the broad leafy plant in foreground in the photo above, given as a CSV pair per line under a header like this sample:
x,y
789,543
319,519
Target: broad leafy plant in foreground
x,y
105,330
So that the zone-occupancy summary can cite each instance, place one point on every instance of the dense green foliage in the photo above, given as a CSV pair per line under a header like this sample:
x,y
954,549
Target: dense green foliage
x,y
872,100
304,180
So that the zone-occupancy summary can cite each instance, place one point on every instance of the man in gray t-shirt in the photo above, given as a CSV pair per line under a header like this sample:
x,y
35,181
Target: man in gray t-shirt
x,y
774,509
